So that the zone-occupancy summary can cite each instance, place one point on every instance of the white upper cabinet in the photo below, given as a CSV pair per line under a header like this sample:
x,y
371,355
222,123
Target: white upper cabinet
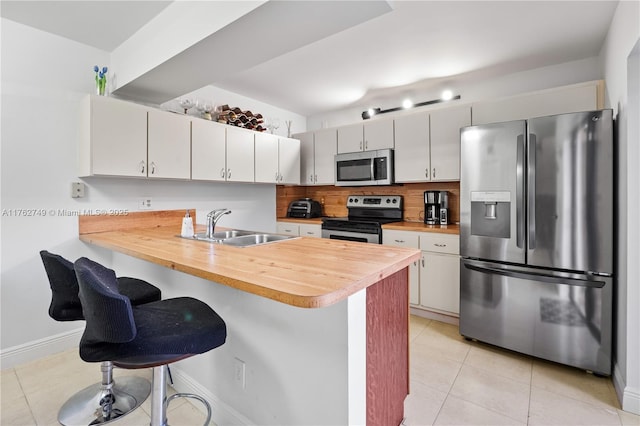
x,y
266,158
445,141
372,135
208,150
114,138
169,145
277,159
240,155
412,156
307,158
289,161
378,134
317,156
325,149
351,138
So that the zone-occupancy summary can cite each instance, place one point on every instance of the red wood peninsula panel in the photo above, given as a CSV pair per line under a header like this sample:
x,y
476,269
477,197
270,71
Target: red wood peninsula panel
x,y
388,349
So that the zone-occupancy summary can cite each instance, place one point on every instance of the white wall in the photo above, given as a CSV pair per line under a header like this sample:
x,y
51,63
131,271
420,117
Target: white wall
x,y
43,80
477,89
623,35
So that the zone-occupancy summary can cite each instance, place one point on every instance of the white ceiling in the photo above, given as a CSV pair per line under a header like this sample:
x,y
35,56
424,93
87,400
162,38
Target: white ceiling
x,y
418,44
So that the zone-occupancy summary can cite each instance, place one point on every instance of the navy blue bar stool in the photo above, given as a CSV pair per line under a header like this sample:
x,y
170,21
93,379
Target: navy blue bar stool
x,y
108,400
151,335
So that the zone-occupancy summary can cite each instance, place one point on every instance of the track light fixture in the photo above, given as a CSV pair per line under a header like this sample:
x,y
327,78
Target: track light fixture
x,y
447,95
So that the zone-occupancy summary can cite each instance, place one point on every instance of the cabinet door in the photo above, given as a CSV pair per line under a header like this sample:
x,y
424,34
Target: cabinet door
x,y
169,145
440,282
445,142
118,138
289,161
350,138
411,154
325,147
408,240
287,228
240,155
308,230
208,150
266,152
378,134
307,156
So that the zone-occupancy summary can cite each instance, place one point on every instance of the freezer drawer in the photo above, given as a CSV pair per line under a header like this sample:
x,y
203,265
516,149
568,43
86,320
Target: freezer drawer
x,y
561,317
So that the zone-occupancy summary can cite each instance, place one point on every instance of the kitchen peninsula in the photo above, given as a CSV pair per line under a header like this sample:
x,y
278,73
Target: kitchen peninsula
x,y
345,361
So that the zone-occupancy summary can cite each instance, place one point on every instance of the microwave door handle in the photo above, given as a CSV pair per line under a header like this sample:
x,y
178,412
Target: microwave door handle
x,y
373,169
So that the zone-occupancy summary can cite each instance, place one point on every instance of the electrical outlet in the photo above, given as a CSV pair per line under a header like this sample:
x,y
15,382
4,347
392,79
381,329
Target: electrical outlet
x,y
239,369
77,189
145,203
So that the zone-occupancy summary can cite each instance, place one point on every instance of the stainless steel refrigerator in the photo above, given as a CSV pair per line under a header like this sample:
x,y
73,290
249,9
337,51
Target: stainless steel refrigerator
x,y
536,237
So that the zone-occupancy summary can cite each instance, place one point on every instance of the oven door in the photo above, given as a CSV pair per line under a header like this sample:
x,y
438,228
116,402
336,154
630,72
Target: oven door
x,y
361,237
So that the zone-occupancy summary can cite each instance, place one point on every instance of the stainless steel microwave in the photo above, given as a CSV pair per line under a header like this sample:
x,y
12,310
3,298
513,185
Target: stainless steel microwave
x,y
365,168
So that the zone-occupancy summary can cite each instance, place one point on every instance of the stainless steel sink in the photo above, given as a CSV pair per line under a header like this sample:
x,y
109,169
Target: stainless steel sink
x,y
240,238
222,235
255,239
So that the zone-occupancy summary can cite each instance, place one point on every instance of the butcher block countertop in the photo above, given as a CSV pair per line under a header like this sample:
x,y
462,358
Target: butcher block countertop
x,y
303,272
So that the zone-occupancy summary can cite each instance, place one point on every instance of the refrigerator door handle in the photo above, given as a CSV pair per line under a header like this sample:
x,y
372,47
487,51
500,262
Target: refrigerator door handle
x,y
531,188
520,193
536,276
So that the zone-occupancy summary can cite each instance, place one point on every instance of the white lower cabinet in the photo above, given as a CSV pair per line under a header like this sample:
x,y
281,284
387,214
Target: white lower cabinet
x,y
434,282
299,230
309,230
409,240
440,273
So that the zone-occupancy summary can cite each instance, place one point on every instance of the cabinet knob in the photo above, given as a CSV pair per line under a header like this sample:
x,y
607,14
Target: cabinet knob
x,y
434,173
228,173
277,177
222,172
426,173
153,167
399,241
315,180
142,167
439,245
422,260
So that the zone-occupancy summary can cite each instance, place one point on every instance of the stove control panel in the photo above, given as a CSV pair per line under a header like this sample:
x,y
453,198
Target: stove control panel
x,y
375,201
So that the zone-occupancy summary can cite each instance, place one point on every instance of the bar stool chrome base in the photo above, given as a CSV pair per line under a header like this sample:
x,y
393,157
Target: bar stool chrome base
x,y
105,402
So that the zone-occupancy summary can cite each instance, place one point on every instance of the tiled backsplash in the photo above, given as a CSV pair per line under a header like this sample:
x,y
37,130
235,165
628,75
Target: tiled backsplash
x,y
334,198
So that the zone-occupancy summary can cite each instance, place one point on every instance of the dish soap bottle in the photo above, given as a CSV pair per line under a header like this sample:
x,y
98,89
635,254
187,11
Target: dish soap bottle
x,y
187,226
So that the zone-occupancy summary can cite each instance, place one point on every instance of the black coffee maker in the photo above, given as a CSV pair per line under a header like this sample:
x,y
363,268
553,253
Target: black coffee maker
x,y
436,207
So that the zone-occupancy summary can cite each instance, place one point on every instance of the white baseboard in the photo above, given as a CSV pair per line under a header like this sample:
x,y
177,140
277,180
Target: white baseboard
x,y
449,319
31,351
629,398
221,413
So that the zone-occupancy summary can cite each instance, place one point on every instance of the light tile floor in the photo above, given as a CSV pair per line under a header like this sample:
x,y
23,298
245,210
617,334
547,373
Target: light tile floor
x,y
453,382
456,382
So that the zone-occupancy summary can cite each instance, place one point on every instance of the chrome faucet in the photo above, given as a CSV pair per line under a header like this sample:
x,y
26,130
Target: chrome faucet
x,y
212,219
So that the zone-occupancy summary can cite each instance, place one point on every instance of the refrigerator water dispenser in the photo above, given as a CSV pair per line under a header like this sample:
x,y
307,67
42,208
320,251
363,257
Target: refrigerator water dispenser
x,y
491,214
